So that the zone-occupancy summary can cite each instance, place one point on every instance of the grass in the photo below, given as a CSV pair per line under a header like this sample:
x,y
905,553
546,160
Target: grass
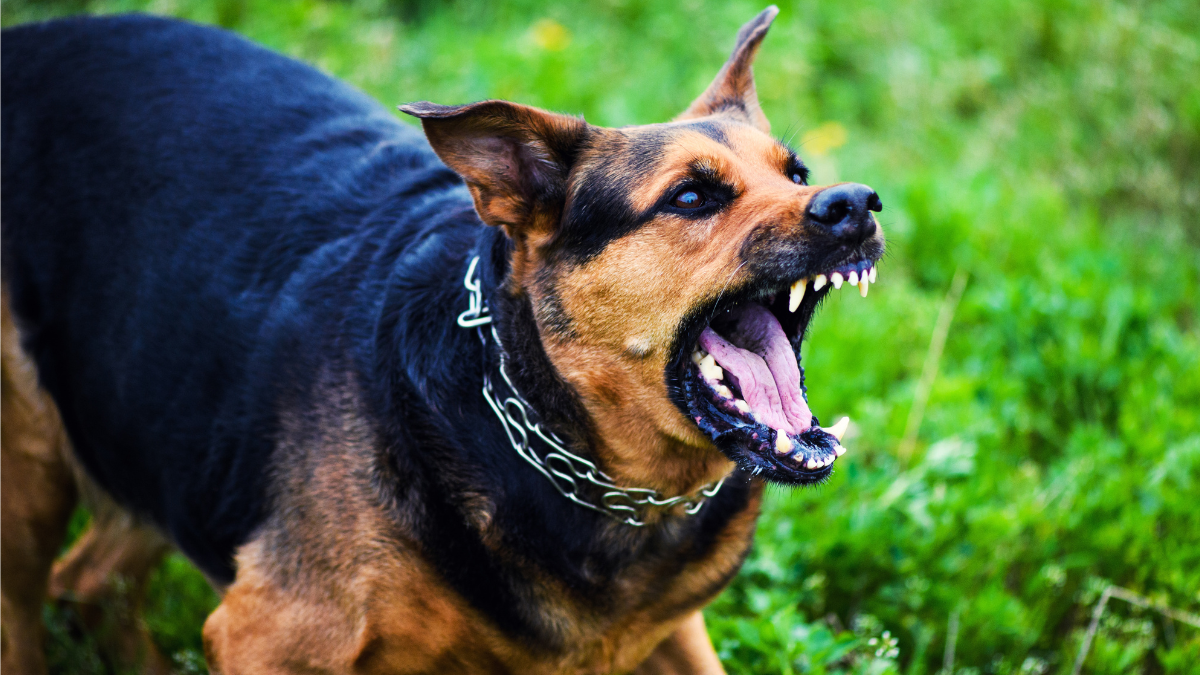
x,y
1049,153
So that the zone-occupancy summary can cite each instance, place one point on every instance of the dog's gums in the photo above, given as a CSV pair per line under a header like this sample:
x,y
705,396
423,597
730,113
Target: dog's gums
x,y
743,383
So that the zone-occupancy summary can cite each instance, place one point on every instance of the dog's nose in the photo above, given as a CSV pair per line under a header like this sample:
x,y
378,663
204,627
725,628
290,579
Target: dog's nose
x,y
844,209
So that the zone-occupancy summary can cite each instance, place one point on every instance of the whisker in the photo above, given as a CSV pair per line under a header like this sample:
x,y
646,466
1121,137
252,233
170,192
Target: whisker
x,y
722,293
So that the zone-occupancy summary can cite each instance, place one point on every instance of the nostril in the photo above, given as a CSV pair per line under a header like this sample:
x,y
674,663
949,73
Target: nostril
x,y
830,206
845,210
832,213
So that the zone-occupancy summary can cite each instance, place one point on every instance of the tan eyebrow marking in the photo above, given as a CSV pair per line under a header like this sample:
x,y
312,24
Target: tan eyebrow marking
x,y
689,153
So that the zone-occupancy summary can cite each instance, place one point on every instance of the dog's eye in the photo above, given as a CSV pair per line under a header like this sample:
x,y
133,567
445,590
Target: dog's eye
x,y
687,199
797,178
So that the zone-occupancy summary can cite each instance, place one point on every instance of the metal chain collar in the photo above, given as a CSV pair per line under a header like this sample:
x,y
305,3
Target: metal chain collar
x,y
565,470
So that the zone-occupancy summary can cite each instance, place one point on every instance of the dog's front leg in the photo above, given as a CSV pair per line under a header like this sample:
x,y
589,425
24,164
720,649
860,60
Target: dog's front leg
x,y
687,651
266,625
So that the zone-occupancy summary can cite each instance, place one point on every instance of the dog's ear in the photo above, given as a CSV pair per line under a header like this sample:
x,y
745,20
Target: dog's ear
x,y
732,91
514,158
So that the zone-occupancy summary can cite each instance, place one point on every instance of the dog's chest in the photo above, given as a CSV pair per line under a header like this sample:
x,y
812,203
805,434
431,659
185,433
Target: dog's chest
x,y
369,603
585,635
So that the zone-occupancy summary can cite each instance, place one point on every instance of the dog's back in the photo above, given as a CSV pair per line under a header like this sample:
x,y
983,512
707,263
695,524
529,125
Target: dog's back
x,y
178,205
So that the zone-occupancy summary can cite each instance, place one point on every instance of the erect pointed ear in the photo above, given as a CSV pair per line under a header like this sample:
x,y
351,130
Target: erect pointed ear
x,y
732,91
515,159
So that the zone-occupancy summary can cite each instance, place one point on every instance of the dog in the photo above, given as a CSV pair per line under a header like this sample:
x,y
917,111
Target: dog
x,y
499,398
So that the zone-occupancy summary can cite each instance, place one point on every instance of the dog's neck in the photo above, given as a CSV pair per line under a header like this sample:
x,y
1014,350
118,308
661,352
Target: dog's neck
x,y
525,368
529,367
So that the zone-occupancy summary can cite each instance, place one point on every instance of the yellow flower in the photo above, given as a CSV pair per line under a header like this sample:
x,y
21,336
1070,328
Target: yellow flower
x,y
551,35
824,139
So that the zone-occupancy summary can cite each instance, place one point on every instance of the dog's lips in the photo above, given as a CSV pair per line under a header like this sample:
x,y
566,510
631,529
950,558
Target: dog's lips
x,y
801,458
750,340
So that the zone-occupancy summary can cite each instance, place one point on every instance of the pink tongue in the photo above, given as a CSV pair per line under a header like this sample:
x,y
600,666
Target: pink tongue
x,y
759,356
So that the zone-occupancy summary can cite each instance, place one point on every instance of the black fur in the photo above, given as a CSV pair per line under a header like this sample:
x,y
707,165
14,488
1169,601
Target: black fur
x,y
599,212
197,232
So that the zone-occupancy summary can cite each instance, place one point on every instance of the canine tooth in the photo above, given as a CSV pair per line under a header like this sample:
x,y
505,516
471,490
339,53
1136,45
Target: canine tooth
x,y
838,430
839,450
783,444
853,278
863,286
872,274
797,294
836,280
819,282
742,406
724,392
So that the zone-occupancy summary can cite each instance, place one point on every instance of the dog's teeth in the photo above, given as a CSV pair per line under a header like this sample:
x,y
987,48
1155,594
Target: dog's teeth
x,y
797,294
783,444
863,286
836,280
710,369
853,278
810,464
697,356
819,282
872,274
839,450
742,406
838,430
724,392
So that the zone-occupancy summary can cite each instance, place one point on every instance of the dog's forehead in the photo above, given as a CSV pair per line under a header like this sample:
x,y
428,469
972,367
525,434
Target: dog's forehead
x,y
626,173
653,148
732,153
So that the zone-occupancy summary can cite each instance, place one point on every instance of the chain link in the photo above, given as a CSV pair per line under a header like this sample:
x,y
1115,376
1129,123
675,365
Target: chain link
x,y
565,470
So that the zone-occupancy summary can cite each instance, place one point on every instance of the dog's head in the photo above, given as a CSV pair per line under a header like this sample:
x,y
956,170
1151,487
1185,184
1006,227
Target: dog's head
x,y
672,270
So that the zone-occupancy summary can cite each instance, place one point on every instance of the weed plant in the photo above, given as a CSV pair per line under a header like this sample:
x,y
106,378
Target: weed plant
x,y
1046,153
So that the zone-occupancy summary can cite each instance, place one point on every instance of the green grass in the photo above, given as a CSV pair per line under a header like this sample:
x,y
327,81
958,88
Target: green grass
x,y
1051,152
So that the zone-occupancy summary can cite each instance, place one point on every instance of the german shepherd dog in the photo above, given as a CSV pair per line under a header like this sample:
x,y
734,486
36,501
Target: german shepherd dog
x,y
502,398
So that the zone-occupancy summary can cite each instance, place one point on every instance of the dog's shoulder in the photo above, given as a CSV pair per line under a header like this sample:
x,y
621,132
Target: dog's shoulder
x,y
226,209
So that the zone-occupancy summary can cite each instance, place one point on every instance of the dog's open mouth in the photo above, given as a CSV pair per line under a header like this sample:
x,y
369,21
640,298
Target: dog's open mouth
x,y
741,379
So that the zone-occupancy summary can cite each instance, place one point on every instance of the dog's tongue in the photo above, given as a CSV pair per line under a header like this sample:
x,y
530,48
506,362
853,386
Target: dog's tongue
x,y
758,355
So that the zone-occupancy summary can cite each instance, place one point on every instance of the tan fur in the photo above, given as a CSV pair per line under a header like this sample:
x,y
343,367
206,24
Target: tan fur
x,y
37,495
688,651
103,576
